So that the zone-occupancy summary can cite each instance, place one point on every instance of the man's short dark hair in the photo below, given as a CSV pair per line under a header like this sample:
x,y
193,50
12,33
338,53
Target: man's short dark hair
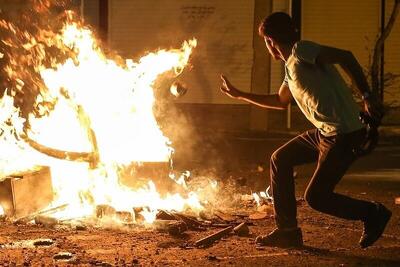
x,y
280,27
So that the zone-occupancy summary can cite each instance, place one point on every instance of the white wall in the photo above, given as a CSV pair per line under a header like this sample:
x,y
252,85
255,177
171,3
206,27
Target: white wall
x,y
224,32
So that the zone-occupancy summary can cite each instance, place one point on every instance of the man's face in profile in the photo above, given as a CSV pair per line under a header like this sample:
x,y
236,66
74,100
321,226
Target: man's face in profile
x,y
271,49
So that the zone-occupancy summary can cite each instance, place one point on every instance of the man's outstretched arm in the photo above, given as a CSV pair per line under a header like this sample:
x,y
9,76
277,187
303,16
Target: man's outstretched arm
x,y
271,101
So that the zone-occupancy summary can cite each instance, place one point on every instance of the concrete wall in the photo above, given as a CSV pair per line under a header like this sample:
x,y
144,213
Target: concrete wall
x,y
91,11
261,75
266,75
220,112
352,25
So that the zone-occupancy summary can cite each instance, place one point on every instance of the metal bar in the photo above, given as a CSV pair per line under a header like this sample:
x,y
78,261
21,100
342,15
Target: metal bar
x,y
382,63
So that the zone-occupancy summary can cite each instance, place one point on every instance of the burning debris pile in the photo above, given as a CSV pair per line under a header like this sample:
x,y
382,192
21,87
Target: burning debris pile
x,y
90,118
78,129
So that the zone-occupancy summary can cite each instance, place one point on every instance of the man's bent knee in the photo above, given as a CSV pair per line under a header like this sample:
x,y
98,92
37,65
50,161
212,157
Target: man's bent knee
x,y
278,158
314,199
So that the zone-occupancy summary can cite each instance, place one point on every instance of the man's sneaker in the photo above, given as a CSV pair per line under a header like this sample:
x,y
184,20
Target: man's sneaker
x,y
282,238
374,225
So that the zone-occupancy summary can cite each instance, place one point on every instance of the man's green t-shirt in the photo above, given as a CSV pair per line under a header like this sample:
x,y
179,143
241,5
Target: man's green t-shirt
x,y
320,91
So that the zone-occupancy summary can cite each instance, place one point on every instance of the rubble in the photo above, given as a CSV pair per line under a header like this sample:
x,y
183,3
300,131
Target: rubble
x,y
63,256
210,239
43,242
258,215
192,223
173,227
46,221
30,217
13,192
242,229
125,216
104,211
177,228
224,216
164,215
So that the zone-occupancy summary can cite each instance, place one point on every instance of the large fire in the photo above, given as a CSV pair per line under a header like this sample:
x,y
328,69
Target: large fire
x,y
102,119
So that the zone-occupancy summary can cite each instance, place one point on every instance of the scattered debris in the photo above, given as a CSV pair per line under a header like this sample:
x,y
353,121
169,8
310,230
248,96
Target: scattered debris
x,y
43,242
265,208
13,191
104,211
164,215
100,263
174,243
30,217
28,244
205,215
224,216
258,215
191,223
242,229
54,209
46,221
137,211
177,228
173,227
125,216
212,258
63,256
80,227
210,239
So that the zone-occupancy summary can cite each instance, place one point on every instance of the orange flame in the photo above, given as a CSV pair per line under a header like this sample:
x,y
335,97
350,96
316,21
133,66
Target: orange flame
x,y
90,91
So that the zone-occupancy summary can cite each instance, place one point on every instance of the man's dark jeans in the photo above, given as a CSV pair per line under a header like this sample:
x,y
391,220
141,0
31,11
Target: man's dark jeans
x,y
333,155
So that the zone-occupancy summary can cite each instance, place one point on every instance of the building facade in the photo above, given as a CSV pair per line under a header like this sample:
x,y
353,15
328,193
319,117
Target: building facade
x,y
229,43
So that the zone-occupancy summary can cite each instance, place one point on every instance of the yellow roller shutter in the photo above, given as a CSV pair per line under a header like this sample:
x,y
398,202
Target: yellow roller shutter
x,y
347,24
392,57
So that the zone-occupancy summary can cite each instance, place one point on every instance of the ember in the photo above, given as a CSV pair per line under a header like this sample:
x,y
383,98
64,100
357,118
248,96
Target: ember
x,y
178,89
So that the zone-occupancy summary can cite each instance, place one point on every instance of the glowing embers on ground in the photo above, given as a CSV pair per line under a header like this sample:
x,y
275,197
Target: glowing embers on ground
x,y
262,197
102,120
